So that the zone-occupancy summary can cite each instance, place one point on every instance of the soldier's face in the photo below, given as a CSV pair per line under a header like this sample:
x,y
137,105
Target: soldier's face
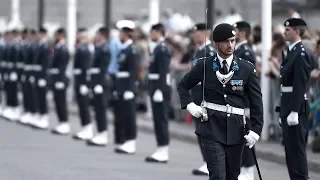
x,y
226,47
290,34
197,37
153,35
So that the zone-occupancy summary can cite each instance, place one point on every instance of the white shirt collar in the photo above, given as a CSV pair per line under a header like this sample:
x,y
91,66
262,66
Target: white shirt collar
x,y
292,45
160,40
241,43
127,43
229,60
204,44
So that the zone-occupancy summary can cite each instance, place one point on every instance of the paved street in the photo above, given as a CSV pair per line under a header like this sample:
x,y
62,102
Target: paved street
x,y
27,154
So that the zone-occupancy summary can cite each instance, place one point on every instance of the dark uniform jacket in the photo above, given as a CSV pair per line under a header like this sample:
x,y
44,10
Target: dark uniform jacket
x,y
6,62
159,77
201,53
294,76
222,127
244,51
82,63
42,60
128,64
100,64
59,64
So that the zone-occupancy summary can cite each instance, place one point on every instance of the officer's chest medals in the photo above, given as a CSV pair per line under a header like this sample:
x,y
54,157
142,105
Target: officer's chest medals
x,y
225,78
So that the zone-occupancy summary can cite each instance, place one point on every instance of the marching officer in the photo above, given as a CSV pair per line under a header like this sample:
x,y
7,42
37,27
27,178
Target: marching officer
x,y
222,128
201,36
59,81
42,61
82,64
98,72
244,51
126,88
159,87
294,76
29,95
13,111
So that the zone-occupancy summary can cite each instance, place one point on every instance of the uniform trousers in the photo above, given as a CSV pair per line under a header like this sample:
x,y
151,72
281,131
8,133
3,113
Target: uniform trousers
x,y
60,100
100,103
27,95
42,99
223,161
118,127
126,116
160,120
83,102
11,88
295,148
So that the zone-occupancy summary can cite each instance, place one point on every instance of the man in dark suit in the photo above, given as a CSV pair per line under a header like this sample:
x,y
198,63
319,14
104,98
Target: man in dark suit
x,y
159,91
294,76
222,133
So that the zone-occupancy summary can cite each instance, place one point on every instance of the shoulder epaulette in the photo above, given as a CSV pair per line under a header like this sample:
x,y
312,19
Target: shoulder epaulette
x,y
246,61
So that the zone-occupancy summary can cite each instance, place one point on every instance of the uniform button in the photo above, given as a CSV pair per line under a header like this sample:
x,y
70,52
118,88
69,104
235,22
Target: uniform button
x,y
228,115
280,76
225,95
228,105
281,67
281,85
281,94
224,85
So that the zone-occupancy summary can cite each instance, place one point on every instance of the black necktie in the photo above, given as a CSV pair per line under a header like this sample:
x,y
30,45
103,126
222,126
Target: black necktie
x,y
225,67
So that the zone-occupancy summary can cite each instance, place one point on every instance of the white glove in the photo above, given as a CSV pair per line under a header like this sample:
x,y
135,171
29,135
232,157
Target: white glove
x,y
280,121
42,83
293,119
157,96
128,95
251,138
59,85
194,110
13,76
84,90
98,89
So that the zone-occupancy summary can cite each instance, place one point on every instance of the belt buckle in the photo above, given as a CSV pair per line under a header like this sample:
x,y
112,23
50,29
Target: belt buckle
x,y
229,109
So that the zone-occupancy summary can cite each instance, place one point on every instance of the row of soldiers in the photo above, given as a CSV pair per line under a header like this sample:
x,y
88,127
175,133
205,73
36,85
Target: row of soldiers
x,y
30,62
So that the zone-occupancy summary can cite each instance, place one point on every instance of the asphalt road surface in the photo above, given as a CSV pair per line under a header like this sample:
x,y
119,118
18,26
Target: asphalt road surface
x,y
27,154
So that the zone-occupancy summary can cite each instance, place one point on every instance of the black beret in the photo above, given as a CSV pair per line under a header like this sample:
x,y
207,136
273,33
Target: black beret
x,y
223,32
61,31
33,31
82,29
42,30
25,31
293,22
200,27
15,31
157,27
242,24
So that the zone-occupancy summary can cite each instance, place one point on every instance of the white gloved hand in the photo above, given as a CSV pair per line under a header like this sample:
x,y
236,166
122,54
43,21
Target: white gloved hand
x,y
84,90
293,119
157,96
128,95
98,89
42,83
251,138
13,76
59,85
194,110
